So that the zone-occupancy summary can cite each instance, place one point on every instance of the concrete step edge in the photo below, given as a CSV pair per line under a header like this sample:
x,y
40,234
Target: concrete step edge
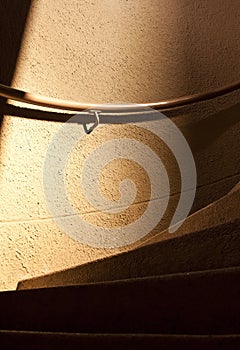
x,y
119,267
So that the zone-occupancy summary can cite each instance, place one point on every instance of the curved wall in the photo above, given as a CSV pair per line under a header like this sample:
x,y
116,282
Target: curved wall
x,y
114,51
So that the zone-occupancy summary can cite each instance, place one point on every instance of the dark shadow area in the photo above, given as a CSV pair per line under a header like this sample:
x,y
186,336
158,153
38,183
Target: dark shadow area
x,y
220,166
13,17
212,127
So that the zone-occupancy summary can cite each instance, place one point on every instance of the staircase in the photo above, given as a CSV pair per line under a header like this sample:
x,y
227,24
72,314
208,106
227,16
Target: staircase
x,y
175,292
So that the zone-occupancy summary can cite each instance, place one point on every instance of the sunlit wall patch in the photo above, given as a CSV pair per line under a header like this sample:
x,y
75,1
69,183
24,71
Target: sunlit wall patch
x,y
109,188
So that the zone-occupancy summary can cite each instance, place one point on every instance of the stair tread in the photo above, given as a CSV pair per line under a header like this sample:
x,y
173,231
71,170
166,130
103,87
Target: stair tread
x,y
221,211
39,340
216,247
187,274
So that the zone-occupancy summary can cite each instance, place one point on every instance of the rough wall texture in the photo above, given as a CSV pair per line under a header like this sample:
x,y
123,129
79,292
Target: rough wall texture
x,y
114,51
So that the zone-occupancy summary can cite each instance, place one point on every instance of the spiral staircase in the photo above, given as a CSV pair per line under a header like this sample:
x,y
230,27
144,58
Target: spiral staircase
x,y
174,292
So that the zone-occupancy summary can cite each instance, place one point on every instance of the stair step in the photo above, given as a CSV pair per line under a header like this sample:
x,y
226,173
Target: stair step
x,y
11,340
218,212
188,303
212,248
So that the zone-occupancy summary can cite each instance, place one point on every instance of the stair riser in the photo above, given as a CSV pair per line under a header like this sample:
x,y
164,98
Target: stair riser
x,y
196,304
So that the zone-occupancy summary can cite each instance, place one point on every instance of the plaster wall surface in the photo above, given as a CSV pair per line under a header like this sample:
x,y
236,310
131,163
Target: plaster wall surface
x,y
115,51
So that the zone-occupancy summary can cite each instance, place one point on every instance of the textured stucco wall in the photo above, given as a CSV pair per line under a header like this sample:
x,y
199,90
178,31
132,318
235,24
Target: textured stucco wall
x,y
114,51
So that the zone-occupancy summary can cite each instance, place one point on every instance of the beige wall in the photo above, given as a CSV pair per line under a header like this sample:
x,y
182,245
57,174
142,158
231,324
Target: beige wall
x,y
114,51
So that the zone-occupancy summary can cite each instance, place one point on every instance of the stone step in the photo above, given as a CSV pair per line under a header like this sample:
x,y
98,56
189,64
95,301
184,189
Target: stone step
x,y
189,303
219,212
216,247
19,340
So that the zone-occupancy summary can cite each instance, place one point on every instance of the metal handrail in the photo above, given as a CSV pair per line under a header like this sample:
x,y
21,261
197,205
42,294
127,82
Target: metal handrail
x,y
34,99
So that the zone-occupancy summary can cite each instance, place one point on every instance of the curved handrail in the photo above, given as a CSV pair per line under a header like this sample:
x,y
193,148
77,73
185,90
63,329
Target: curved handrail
x,y
34,99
